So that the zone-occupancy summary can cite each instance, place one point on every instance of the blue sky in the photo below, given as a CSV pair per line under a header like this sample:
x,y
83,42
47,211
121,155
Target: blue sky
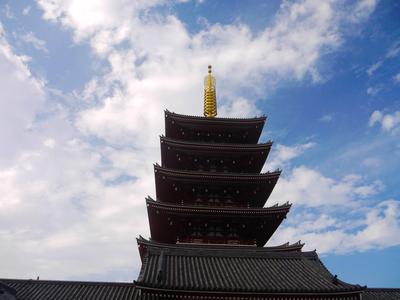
x,y
84,86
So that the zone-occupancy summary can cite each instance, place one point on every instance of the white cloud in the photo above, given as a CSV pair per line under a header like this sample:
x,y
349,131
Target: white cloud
x,y
242,60
30,38
378,228
396,78
26,11
326,118
372,162
239,107
7,11
307,187
282,155
394,50
335,216
371,70
363,9
22,97
389,122
373,90
58,191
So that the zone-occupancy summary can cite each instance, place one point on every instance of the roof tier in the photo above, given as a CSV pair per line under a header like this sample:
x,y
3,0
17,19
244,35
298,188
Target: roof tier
x,y
197,224
144,245
220,130
28,289
240,270
234,158
213,188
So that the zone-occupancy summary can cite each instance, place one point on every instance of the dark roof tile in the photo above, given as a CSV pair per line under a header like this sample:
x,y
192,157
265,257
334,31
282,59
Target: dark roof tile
x,y
381,294
240,270
71,290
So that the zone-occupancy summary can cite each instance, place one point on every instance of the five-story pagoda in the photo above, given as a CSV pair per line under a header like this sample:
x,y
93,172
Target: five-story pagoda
x,y
208,222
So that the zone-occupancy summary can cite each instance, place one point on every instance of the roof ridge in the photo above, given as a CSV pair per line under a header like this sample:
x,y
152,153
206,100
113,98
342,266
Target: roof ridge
x,y
377,289
217,119
59,281
273,208
215,145
249,176
285,246
233,253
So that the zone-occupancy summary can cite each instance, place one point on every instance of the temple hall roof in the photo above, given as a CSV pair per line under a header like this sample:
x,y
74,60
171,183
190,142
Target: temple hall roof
x,y
28,289
145,244
381,294
238,270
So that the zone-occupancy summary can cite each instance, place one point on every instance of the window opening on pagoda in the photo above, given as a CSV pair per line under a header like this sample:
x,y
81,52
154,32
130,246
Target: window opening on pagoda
x,y
233,236
215,231
196,232
229,202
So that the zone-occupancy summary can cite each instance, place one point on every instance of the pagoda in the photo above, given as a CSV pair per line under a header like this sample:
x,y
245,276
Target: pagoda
x,y
209,222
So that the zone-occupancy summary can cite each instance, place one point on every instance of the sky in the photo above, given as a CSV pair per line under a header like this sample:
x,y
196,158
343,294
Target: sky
x,y
84,85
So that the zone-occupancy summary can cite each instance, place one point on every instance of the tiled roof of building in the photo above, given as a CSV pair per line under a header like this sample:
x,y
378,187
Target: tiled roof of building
x,y
142,242
215,176
7,292
215,146
70,290
224,130
238,270
274,210
216,119
82,290
381,294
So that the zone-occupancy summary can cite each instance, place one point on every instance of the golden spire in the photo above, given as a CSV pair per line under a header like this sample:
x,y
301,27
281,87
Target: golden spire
x,y
210,95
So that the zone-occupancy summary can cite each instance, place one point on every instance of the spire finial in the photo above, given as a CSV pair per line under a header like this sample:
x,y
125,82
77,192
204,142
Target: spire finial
x,y
210,95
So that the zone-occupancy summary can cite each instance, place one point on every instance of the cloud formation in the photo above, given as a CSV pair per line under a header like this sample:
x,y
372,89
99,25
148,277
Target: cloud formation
x,y
388,122
30,38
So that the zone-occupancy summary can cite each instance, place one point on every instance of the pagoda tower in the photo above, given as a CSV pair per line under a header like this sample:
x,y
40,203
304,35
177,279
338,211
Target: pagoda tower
x,y
209,221
209,224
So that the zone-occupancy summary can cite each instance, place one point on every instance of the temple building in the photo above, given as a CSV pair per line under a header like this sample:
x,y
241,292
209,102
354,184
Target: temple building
x,y
209,223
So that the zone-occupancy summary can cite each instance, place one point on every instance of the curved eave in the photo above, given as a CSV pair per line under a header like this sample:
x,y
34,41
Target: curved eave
x,y
240,271
219,211
237,158
215,176
215,120
173,223
151,292
145,245
197,188
216,146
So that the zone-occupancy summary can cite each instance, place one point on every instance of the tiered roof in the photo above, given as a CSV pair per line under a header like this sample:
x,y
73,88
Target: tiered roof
x,y
208,223
219,130
183,223
209,226
235,269
28,289
220,157
214,188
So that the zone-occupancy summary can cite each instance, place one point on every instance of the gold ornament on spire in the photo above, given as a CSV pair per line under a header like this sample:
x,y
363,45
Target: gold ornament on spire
x,y
210,95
